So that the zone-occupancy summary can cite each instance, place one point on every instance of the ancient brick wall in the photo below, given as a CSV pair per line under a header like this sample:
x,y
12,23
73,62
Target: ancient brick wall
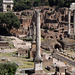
x,y
22,52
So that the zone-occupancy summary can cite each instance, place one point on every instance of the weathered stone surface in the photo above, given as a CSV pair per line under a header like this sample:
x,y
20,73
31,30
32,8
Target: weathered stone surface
x,y
38,59
69,19
74,21
72,6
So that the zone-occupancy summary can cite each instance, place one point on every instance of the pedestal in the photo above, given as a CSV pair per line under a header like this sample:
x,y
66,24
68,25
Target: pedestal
x,y
38,67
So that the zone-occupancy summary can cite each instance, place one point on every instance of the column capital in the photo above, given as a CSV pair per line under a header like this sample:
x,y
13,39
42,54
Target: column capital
x,y
72,6
69,9
74,21
37,10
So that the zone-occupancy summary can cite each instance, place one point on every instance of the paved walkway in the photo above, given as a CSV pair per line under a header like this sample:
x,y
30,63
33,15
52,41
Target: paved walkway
x,y
59,63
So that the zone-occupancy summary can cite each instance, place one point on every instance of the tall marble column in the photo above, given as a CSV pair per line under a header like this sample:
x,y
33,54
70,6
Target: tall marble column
x,y
30,28
34,32
69,19
11,6
74,21
38,59
4,8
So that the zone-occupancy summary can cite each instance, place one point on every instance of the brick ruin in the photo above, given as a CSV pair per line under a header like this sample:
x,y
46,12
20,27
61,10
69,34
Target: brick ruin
x,y
22,52
52,19
54,26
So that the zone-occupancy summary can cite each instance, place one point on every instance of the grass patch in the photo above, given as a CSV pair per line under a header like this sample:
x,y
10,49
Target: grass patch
x,y
6,54
27,65
42,38
11,45
22,62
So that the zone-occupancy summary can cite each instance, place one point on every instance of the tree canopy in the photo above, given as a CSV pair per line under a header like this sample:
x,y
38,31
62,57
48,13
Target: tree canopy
x,y
22,5
60,3
8,21
1,5
27,4
8,68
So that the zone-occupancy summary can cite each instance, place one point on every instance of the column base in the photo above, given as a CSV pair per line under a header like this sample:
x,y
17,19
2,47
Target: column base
x,y
39,72
38,67
38,59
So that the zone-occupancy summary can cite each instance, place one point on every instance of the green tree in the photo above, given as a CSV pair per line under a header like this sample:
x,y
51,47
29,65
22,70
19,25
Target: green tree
x,y
44,2
37,3
61,3
22,5
10,20
9,68
51,2
1,5
1,19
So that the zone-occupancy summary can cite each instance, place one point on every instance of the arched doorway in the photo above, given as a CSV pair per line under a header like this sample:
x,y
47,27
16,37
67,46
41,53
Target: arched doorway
x,y
57,46
8,7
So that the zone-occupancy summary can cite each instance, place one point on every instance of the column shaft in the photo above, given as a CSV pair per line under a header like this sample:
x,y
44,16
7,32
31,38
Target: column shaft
x,y
30,31
38,36
38,59
34,32
4,8
11,6
74,21
69,19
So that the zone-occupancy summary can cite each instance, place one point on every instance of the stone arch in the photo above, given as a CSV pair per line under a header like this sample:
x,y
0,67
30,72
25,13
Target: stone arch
x,y
57,46
7,4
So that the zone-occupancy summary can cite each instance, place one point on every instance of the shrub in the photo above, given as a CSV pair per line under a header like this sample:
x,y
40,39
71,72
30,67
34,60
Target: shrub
x,y
8,68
